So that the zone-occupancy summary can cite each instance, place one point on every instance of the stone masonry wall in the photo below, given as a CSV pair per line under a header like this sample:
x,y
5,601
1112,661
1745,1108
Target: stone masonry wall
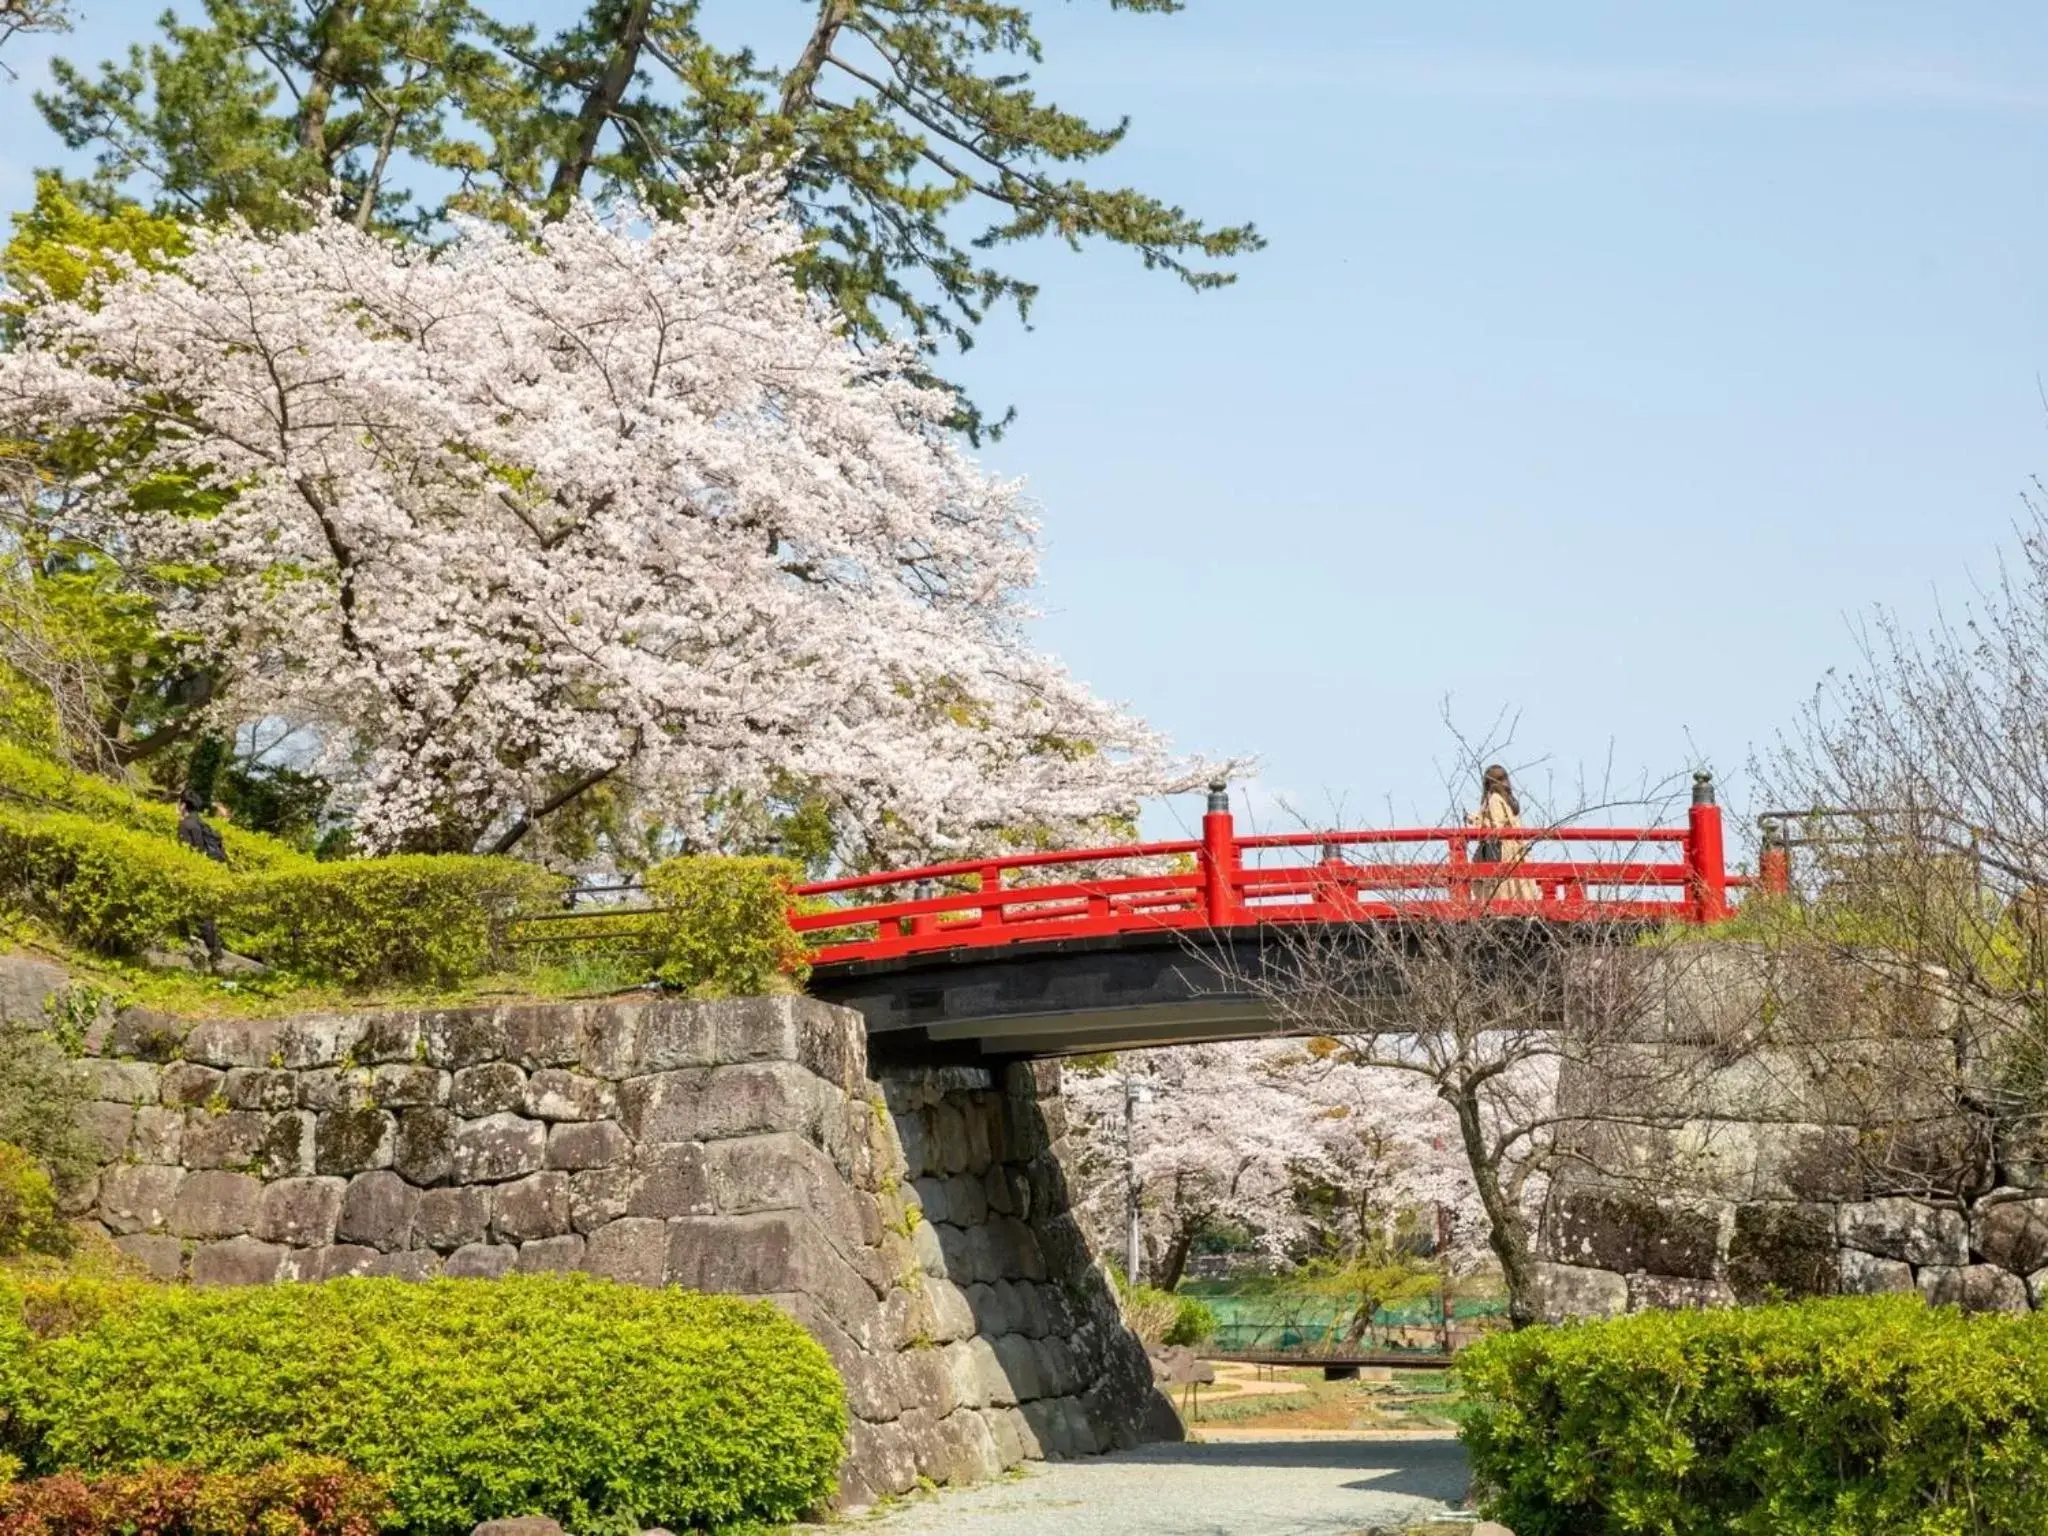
x,y
918,1226
1762,1139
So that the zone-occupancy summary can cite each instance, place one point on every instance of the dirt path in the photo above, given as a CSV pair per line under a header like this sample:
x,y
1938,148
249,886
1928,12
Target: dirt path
x,y
1230,1484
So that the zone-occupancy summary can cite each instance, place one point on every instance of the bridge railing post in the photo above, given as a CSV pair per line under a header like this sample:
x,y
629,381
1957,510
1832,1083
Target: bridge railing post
x,y
1220,859
992,881
1774,859
1706,860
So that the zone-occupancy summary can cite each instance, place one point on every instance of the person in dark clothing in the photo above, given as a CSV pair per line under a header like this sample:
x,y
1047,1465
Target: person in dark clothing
x,y
196,834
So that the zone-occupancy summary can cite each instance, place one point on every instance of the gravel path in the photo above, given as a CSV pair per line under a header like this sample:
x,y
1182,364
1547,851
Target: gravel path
x,y
1243,1486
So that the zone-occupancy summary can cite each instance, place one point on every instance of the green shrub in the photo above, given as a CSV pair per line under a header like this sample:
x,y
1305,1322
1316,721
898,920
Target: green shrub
x,y
29,1222
42,1089
555,1394
433,918
1194,1322
1828,1418
723,928
33,783
109,888
302,1496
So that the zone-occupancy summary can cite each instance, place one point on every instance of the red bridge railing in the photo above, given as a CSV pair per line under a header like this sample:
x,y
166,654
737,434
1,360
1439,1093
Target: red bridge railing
x,y
1224,880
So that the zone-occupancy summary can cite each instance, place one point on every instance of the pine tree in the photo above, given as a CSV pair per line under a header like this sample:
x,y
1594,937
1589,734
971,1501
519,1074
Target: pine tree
x,y
915,142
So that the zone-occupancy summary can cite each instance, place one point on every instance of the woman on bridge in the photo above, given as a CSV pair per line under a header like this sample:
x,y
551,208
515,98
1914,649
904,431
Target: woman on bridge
x,y
1498,811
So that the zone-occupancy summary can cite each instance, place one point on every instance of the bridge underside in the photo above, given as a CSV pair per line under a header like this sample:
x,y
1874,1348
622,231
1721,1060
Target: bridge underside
x,y
1077,996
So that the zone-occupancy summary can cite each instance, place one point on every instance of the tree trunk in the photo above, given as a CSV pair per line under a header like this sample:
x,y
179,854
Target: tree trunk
x,y
1509,1237
319,97
1175,1263
802,79
599,103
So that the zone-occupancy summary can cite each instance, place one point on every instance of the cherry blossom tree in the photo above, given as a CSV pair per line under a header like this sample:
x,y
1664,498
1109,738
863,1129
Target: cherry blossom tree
x,y
1236,1134
607,507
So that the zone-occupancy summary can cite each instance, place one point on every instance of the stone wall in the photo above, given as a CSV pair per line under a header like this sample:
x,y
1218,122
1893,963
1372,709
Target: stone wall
x,y
1793,1126
917,1225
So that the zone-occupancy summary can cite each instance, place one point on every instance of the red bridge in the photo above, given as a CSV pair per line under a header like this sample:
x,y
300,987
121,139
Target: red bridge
x,y
1111,948
1580,875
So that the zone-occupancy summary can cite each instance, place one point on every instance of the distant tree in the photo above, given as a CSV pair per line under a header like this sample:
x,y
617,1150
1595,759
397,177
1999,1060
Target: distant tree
x,y
902,126
17,16
611,505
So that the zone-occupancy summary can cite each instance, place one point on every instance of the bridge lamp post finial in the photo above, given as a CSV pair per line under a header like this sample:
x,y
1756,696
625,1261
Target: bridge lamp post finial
x,y
1219,794
1703,788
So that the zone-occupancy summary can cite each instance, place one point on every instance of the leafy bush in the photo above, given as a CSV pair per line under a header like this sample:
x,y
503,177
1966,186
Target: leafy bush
x,y
41,1091
301,1496
1828,1418
1194,1322
409,918
1150,1313
557,1394
723,928
109,888
33,783
29,1222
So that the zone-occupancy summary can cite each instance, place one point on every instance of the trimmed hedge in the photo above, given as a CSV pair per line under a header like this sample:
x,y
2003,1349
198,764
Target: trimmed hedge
x,y
563,1395
32,783
301,1496
411,917
1845,1417
109,888
723,928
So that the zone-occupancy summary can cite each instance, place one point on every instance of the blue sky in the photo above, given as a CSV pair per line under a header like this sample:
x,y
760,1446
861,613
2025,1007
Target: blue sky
x,y
1606,361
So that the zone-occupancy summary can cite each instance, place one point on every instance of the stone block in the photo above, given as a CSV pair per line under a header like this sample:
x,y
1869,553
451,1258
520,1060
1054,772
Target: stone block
x,y
1625,1231
1865,1274
589,1144
599,1195
396,1035
463,1037
551,1255
233,1139
633,1250
233,1043
881,1456
671,1181
1973,1287
931,1195
377,1211
138,1197
713,1103
301,1212
120,1082
1894,1227
106,1128
498,1147
518,1525
2037,1288
412,1264
970,1452
214,1203
238,1261
351,1141
778,1254
336,1261
408,1085
311,1040
554,1093
185,1082
536,1206
289,1145
423,1148
2012,1234
480,1261
1670,1293
610,1047
325,1088
1020,1364
672,1035
489,1088
952,1316
1781,1250
447,1219
260,1088
1566,1291
162,1257
967,1200
542,1034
